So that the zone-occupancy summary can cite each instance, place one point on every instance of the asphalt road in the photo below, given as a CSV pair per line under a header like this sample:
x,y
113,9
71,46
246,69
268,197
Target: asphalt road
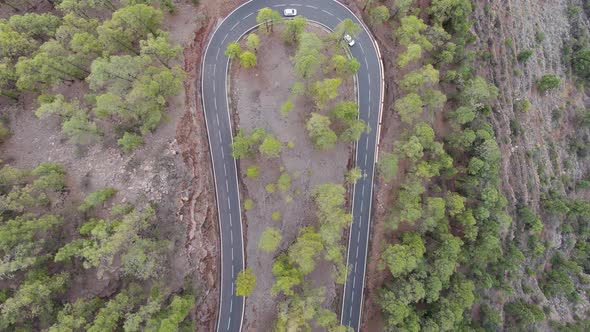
x,y
215,104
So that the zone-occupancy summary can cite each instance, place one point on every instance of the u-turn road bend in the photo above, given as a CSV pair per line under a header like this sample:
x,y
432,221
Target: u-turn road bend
x,y
215,106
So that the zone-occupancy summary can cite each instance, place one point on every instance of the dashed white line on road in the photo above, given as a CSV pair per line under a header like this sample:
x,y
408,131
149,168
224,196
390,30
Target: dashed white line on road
x,y
312,7
366,63
228,203
230,222
357,251
224,38
226,185
233,275
248,16
223,156
232,255
350,314
220,139
231,239
353,282
367,143
361,207
365,159
228,323
327,12
355,267
217,55
224,168
358,238
214,99
235,25
369,76
231,306
217,116
278,6
214,68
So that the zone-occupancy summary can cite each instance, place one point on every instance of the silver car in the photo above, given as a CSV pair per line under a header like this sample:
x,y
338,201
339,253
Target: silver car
x,y
290,12
348,39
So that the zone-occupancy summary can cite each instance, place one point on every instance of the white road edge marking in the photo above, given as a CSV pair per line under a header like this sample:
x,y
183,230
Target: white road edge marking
x,y
235,25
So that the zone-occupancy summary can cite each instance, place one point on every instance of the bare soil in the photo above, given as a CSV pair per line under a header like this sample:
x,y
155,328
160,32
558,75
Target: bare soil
x,y
257,95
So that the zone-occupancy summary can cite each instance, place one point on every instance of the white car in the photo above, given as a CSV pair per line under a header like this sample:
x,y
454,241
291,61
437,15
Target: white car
x,y
290,12
348,39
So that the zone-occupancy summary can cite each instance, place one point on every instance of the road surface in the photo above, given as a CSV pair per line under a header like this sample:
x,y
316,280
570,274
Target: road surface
x,y
215,106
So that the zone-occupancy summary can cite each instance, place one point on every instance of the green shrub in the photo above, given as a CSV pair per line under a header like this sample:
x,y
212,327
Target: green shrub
x,y
284,182
548,82
270,188
245,282
581,62
252,171
523,314
524,55
97,198
539,37
270,239
276,216
528,217
129,142
248,204
4,132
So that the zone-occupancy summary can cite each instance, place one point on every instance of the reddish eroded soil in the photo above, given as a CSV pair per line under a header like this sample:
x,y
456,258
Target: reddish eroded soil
x,y
257,95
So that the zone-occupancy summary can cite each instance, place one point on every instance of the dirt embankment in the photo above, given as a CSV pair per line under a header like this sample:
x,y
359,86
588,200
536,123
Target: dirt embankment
x,y
199,210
